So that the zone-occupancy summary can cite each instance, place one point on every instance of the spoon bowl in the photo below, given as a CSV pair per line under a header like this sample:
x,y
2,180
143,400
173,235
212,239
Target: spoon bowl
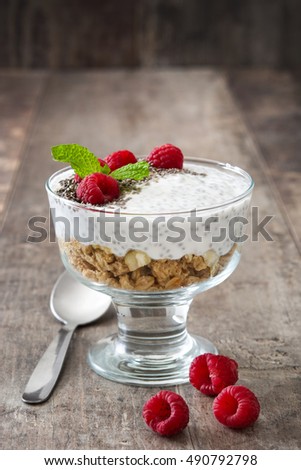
x,y
73,304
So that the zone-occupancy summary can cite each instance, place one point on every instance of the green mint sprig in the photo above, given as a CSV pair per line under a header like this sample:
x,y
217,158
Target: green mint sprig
x,y
80,158
85,163
134,171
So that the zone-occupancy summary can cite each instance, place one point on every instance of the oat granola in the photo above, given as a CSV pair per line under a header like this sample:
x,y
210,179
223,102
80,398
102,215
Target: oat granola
x,y
137,271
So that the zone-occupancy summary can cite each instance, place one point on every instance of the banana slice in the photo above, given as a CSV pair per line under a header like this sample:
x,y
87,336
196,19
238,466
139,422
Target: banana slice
x,y
211,259
135,259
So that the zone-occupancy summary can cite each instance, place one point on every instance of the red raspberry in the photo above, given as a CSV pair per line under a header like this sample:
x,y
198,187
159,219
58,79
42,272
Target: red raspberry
x,y
166,413
97,189
120,158
210,373
236,406
78,179
166,156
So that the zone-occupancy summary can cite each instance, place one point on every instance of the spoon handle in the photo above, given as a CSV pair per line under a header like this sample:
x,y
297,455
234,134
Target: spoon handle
x,y
47,371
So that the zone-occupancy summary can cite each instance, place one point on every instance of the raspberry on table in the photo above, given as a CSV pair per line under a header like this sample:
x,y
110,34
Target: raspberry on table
x,y
166,156
120,158
236,407
78,179
166,413
97,188
210,373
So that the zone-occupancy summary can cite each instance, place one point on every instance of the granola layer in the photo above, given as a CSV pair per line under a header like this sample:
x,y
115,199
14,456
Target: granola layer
x,y
137,271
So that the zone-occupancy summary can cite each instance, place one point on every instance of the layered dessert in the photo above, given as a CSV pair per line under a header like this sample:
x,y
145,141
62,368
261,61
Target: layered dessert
x,y
152,224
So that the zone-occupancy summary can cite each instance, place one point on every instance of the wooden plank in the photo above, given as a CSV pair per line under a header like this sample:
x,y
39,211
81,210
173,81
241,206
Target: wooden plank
x,y
291,34
19,96
271,104
149,32
253,316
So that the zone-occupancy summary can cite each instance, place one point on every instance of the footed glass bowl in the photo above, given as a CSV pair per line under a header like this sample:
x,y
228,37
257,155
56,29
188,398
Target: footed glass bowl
x,y
152,264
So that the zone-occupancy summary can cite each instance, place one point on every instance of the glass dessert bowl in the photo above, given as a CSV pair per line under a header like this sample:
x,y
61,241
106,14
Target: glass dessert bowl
x,y
172,236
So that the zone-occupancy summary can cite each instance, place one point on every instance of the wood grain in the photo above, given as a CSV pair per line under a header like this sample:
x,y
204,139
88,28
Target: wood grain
x,y
19,98
271,104
110,33
253,316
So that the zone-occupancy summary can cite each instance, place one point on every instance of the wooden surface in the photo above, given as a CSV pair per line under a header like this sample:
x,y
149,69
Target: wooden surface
x,y
93,33
247,119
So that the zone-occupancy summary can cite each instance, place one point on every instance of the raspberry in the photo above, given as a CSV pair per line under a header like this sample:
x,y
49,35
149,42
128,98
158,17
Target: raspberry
x,y
236,407
78,179
210,373
166,413
120,158
97,189
166,156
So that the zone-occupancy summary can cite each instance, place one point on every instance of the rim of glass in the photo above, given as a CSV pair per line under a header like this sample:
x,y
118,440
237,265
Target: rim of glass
x,y
196,161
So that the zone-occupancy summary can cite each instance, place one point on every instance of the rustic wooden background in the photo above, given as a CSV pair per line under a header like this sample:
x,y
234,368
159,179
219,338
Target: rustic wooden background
x,y
250,118
104,33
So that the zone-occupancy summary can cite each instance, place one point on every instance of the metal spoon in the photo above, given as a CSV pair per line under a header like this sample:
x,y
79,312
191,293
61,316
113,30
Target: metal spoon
x,y
73,304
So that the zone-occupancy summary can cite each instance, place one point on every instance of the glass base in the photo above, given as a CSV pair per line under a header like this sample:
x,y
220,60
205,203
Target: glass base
x,y
111,359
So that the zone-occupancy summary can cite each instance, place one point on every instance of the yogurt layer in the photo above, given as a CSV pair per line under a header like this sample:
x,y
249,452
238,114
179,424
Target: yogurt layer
x,y
186,191
172,215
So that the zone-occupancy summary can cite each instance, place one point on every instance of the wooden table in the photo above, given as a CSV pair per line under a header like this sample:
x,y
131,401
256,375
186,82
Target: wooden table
x,y
249,118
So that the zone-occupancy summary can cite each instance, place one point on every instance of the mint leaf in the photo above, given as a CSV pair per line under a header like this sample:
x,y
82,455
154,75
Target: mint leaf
x,y
80,158
134,171
105,169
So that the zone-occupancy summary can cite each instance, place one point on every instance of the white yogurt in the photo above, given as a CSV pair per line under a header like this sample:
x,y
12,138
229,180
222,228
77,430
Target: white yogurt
x,y
177,214
185,191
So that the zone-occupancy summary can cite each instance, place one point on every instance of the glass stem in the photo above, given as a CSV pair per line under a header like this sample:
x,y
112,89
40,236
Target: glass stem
x,y
152,329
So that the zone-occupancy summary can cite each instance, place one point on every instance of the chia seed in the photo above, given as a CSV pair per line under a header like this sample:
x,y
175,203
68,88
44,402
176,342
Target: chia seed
x,y
68,189
127,187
